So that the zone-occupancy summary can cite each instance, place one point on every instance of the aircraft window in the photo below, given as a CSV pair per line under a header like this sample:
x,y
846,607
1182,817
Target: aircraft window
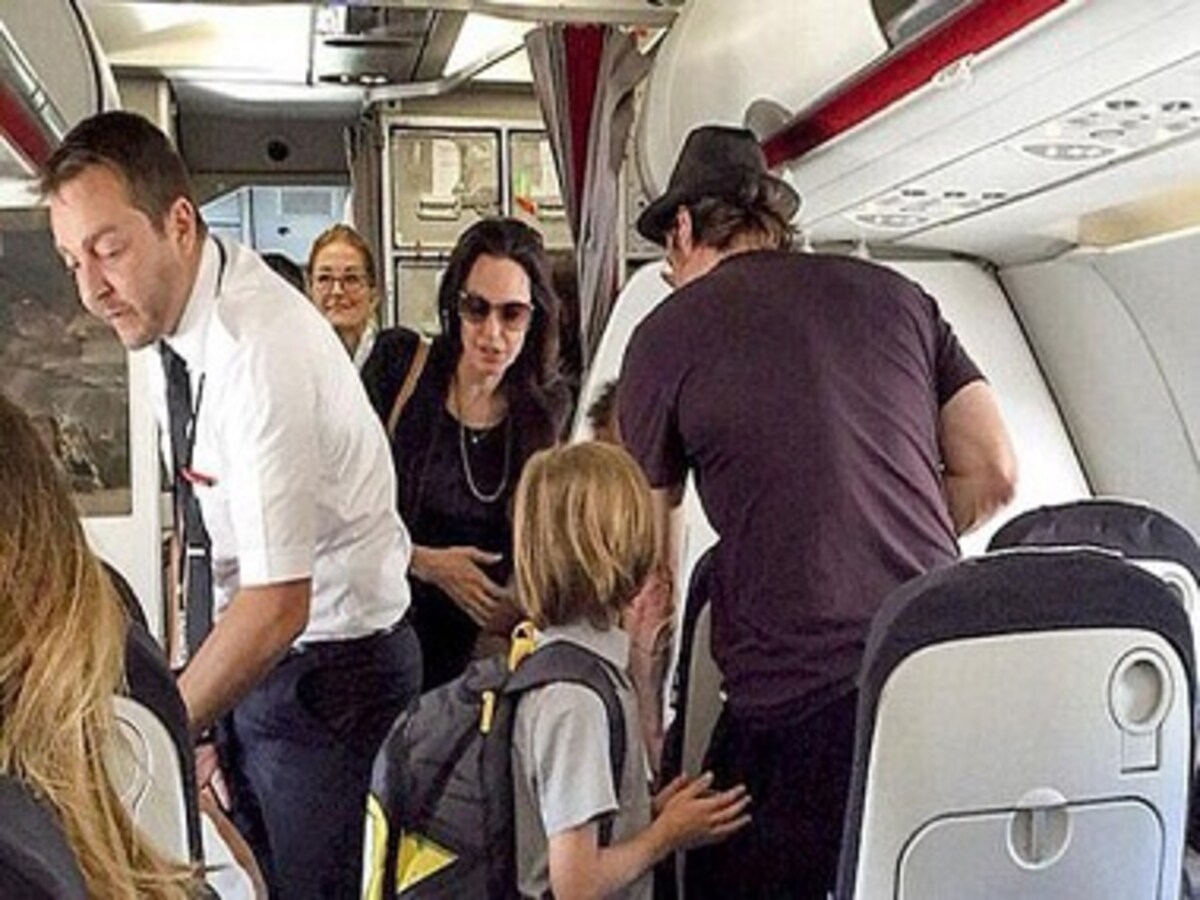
x,y
63,366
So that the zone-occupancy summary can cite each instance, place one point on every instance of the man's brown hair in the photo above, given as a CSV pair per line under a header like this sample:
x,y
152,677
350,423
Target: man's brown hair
x,y
133,149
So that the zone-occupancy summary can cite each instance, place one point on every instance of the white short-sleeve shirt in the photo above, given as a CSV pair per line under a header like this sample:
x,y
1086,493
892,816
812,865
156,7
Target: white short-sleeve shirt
x,y
292,467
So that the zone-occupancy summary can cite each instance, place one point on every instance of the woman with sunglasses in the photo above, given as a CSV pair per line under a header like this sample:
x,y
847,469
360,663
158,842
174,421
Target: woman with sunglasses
x,y
341,282
462,421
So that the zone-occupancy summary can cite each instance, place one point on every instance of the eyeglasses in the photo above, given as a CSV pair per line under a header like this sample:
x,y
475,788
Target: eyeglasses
x,y
351,282
515,315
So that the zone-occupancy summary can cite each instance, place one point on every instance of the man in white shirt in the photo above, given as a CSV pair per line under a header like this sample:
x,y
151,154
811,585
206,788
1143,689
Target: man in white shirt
x,y
310,657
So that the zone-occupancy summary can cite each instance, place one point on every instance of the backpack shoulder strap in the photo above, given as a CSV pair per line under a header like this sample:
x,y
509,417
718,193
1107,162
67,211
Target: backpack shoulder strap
x,y
563,661
415,367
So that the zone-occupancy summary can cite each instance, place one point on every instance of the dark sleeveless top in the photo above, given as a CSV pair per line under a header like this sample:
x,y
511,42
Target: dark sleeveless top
x,y
433,495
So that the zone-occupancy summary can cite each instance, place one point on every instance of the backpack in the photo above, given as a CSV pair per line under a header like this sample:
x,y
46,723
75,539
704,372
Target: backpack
x,y
440,819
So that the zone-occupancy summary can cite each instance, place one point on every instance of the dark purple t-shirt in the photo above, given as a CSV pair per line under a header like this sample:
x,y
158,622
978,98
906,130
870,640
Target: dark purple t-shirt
x,y
803,392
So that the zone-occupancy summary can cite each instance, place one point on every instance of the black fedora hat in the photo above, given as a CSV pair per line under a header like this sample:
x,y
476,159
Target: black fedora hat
x,y
723,163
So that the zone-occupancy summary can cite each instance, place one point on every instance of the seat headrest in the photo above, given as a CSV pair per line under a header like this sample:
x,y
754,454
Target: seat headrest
x,y
1131,529
1018,592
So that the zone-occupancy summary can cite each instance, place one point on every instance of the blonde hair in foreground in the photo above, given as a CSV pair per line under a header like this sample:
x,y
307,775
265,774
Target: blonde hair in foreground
x,y
62,638
583,533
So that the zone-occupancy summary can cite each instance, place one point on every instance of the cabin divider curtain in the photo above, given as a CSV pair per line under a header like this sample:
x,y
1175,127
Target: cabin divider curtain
x,y
364,158
584,77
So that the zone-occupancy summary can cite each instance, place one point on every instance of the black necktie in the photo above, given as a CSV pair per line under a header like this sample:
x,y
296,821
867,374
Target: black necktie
x,y
195,562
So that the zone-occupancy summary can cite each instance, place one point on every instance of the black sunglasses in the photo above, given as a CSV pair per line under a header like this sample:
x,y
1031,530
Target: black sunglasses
x,y
515,315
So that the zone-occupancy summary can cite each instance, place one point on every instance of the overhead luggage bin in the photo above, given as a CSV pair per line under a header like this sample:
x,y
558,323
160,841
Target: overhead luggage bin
x,y
52,75
720,59
964,137
998,128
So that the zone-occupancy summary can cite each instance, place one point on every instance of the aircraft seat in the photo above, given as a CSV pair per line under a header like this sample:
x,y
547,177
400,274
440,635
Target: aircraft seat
x,y
1024,730
696,702
36,863
1140,533
696,692
128,598
157,779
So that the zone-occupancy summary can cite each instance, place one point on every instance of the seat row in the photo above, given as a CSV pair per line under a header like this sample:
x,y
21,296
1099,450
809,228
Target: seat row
x,y
1025,724
1025,718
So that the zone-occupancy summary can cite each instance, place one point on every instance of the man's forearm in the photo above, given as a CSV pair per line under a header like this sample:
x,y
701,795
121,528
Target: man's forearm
x,y
251,635
973,499
980,472
668,512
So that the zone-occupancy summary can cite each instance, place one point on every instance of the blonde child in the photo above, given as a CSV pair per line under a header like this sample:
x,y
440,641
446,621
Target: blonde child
x,y
584,544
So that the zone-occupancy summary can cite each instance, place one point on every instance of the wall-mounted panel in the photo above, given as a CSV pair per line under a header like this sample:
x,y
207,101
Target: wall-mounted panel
x,y
442,180
416,294
1111,338
533,186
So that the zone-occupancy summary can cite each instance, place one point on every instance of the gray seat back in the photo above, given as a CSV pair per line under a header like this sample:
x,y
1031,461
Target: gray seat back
x,y
154,759
1024,730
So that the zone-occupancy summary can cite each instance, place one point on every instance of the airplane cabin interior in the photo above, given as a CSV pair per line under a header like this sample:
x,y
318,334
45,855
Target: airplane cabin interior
x,y
1033,165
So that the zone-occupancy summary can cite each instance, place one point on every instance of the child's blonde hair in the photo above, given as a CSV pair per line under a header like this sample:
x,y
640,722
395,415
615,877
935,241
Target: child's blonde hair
x,y
583,532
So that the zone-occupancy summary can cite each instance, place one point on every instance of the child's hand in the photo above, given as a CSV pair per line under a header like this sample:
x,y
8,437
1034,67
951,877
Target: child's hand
x,y
666,792
690,814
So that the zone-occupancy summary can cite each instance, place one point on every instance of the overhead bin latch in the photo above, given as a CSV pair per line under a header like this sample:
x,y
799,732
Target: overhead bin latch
x,y
956,75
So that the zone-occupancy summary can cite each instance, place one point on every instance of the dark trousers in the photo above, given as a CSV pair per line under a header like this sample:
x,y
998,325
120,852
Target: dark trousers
x,y
298,750
798,775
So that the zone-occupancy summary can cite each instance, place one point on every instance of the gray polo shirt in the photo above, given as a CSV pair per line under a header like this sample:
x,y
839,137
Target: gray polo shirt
x,y
562,776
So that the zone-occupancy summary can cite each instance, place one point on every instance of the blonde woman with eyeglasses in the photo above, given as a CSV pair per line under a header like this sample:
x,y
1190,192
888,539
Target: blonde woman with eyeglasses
x,y
463,414
62,640
341,282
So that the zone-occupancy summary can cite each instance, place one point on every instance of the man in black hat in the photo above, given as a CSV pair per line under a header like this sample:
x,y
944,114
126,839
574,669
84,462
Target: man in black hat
x,y
841,439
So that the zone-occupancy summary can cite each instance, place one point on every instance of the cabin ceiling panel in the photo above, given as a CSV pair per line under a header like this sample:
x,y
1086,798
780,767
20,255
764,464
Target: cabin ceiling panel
x,y
224,41
1101,84
644,12
321,56
1133,200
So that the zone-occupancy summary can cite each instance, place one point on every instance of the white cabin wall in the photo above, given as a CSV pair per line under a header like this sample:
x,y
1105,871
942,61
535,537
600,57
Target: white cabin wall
x,y
74,77
1115,334
973,302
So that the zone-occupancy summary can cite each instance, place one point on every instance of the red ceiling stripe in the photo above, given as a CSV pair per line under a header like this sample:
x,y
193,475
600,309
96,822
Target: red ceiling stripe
x,y
970,30
22,129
